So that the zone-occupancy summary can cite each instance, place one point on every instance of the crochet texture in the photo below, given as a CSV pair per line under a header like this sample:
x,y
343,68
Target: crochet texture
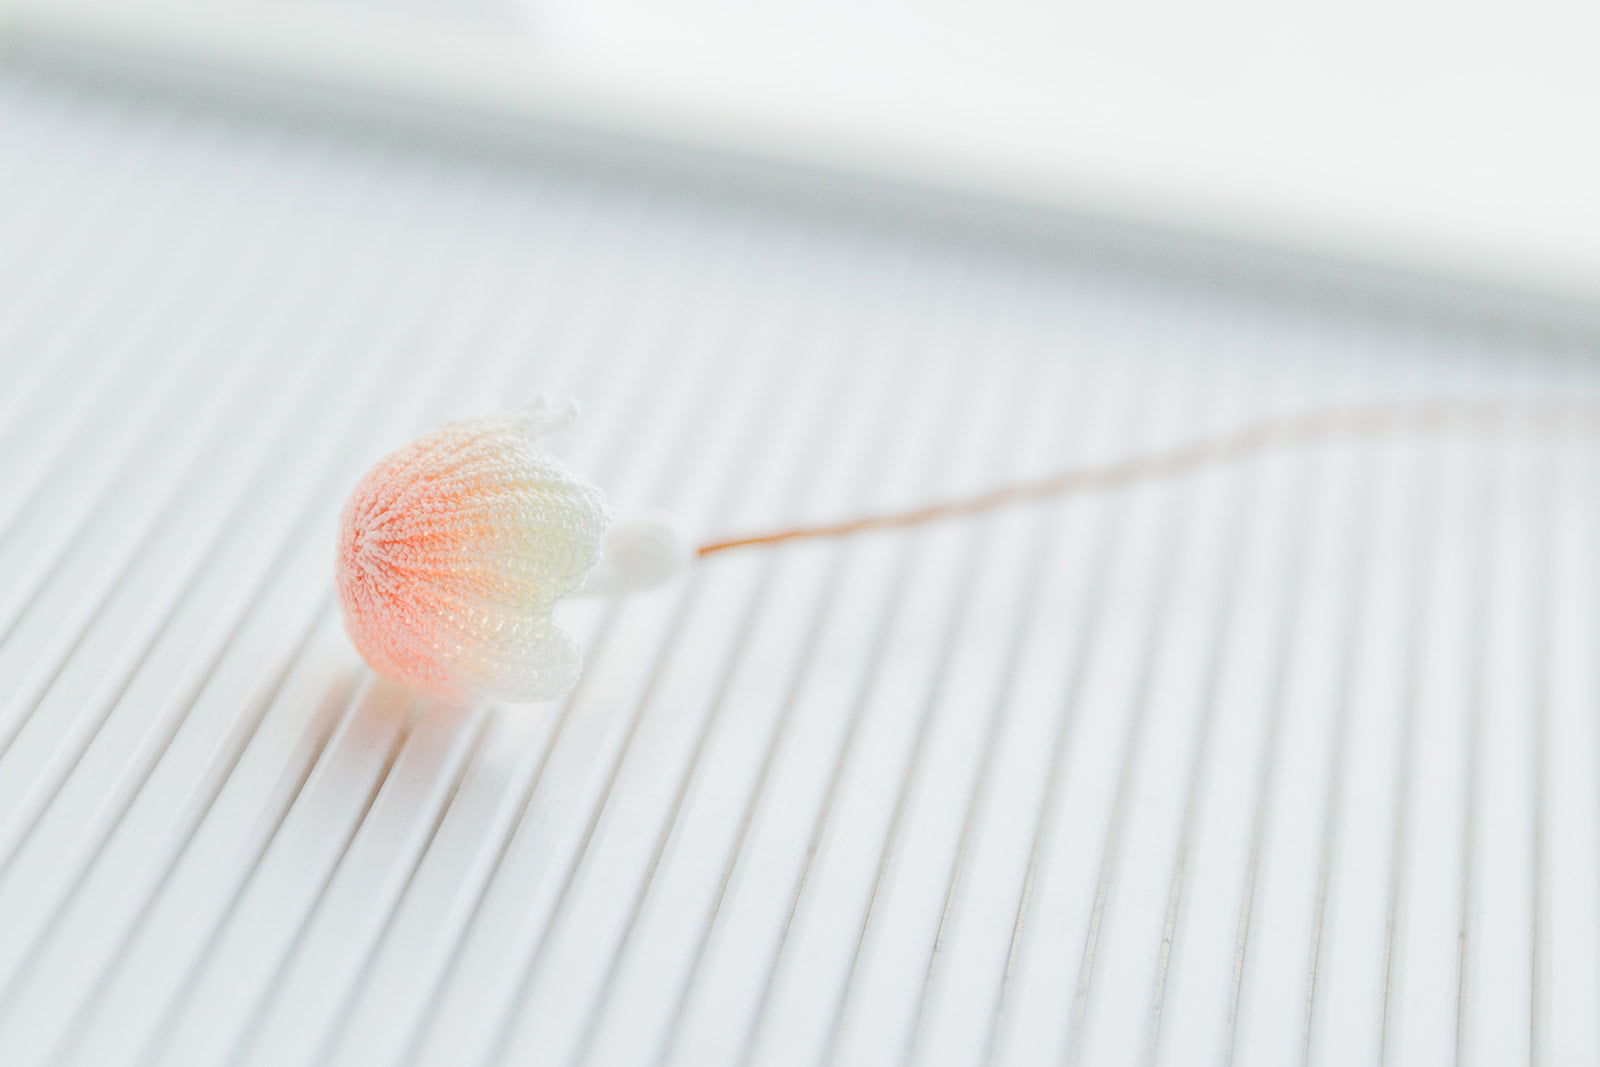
x,y
453,551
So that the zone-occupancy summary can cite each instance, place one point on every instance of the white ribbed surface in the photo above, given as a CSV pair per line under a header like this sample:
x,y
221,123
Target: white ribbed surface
x,y
1296,759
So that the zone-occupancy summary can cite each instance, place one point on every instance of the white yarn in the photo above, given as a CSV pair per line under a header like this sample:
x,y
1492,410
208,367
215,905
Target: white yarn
x,y
638,552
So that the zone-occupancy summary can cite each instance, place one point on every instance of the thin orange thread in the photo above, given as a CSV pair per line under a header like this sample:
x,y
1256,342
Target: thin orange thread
x,y
1237,444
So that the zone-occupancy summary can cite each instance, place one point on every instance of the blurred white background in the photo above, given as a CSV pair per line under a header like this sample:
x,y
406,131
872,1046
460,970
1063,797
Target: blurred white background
x,y
1458,140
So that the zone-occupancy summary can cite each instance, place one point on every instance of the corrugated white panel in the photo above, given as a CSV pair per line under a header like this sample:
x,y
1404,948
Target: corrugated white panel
x,y
1291,761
